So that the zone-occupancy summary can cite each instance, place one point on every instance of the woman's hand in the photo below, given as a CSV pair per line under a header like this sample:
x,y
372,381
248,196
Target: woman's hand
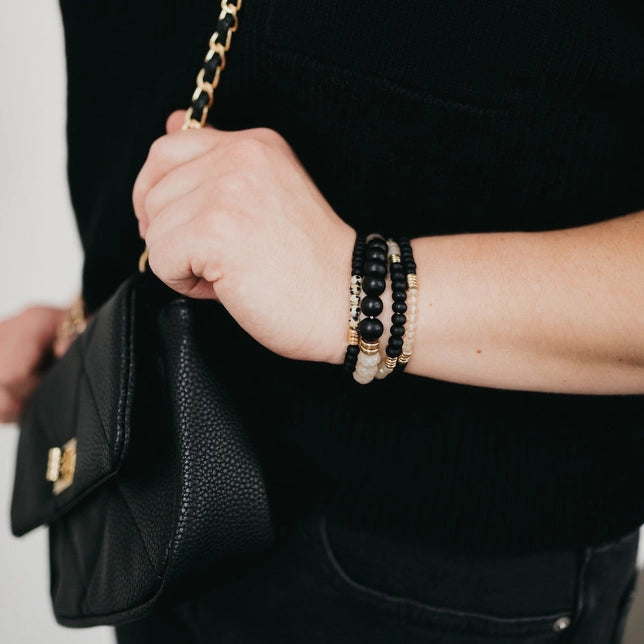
x,y
234,216
27,343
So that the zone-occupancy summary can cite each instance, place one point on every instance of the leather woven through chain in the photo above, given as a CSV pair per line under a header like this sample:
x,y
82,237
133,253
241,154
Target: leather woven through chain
x,y
214,63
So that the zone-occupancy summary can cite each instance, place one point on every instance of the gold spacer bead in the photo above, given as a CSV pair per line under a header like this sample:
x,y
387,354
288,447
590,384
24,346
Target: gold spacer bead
x,y
354,336
370,348
390,362
403,358
412,280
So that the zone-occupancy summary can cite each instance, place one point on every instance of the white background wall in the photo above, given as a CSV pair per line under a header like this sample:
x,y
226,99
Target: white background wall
x,y
40,262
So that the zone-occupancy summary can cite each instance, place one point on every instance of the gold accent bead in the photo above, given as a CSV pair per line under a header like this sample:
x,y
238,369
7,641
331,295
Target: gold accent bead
x,y
369,348
412,280
354,336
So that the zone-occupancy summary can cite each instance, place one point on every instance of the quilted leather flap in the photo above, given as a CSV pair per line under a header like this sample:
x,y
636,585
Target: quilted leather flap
x,y
83,401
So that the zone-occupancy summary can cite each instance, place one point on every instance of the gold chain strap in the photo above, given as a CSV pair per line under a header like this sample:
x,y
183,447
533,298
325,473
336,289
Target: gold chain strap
x,y
205,90
229,8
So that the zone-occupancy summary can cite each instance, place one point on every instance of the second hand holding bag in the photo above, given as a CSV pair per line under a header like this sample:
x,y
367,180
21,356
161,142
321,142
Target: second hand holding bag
x,y
135,451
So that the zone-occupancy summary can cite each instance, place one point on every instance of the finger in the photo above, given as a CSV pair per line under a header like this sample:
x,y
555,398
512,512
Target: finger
x,y
23,355
175,121
172,230
175,185
166,153
182,252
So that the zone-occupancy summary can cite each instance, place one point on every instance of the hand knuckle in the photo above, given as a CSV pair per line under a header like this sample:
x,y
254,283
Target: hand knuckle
x,y
159,148
150,202
248,148
267,135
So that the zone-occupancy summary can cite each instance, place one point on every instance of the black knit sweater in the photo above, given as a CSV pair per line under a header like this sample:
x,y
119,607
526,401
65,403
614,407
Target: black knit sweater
x,y
437,118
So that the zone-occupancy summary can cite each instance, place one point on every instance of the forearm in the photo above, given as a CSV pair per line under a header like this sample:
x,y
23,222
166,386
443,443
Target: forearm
x,y
559,311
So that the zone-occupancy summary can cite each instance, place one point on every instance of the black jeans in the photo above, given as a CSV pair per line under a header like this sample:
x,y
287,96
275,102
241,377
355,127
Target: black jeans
x,y
328,584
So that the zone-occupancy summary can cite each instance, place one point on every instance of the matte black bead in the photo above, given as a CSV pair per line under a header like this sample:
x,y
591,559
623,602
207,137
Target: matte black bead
x,y
399,307
399,296
398,318
371,305
393,352
374,267
373,285
370,329
398,284
397,330
353,350
395,343
376,253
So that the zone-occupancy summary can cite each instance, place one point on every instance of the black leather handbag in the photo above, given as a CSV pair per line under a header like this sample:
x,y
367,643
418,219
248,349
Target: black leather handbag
x,y
135,450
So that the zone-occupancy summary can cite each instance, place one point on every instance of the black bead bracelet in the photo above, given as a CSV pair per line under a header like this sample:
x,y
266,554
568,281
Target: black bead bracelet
x,y
370,328
398,318
409,268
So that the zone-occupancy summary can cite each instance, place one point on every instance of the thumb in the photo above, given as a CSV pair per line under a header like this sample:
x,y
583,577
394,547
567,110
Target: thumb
x,y
175,121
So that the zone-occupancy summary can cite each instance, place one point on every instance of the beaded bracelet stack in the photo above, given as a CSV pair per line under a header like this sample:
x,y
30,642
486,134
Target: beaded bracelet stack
x,y
373,258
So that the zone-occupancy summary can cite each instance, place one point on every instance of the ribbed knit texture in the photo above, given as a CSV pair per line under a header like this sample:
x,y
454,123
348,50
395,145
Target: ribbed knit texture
x,y
437,118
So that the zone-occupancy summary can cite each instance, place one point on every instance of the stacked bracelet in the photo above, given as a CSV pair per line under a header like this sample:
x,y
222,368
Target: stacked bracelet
x,y
373,257
409,267
399,295
355,288
370,328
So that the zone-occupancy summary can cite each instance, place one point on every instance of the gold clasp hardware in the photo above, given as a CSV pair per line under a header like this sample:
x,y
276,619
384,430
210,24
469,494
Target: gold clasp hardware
x,y
61,464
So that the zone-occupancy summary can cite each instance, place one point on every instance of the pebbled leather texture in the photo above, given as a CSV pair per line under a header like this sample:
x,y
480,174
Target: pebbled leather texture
x,y
168,489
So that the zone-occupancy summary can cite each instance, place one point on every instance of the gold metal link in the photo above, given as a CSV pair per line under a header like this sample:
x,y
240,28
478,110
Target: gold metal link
x,y
217,48
227,4
230,11
215,81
